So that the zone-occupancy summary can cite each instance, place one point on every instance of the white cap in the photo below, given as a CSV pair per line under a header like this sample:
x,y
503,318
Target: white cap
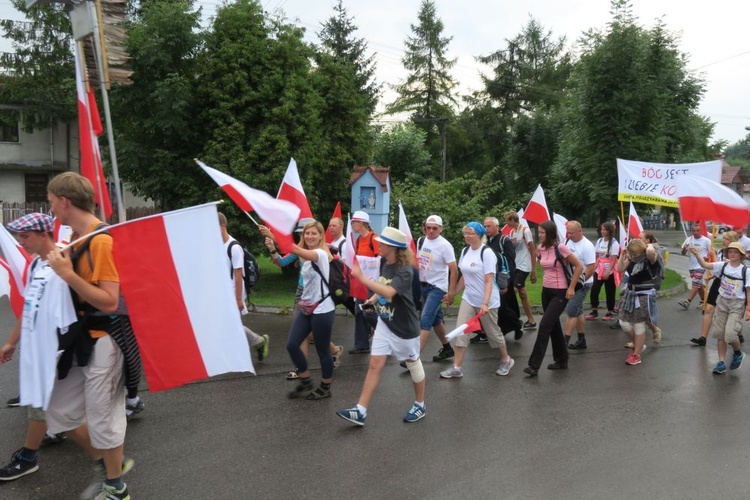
x,y
302,223
360,216
434,219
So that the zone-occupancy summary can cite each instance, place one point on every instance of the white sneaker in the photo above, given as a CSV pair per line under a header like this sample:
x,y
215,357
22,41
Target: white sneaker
x,y
454,372
505,368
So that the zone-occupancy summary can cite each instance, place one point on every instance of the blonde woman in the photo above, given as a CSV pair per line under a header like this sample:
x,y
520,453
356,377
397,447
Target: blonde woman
x,y
317,312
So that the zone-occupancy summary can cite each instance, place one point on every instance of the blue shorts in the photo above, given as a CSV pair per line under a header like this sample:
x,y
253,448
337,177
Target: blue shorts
x,y
432,313
575,305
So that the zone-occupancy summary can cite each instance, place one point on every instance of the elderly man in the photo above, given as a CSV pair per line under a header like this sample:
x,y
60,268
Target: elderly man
x,y
584,250
703,244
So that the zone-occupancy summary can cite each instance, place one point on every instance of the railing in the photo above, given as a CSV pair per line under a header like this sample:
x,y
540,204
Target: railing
x,y
12,211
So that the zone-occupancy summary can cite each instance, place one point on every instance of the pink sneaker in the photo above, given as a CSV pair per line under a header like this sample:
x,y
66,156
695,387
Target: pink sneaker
x,y
592,315
633,359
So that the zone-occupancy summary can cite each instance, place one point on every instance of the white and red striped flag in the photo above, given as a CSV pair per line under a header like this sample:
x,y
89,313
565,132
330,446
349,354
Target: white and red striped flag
x,y
623,240
703,199
179,296
635,228
403,226
291,190
336,215
62,234
16,264
536,211
279,215
4,278
562,227
88,145
470,326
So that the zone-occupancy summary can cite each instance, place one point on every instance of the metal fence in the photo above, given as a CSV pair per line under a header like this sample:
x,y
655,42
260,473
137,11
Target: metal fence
x,y
11,211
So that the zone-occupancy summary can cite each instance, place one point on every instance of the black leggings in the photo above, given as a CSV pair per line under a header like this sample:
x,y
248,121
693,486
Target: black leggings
x,y
610,290
553,303
321,326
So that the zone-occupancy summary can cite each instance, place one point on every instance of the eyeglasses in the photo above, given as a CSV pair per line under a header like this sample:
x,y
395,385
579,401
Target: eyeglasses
x,y
432,228
470,233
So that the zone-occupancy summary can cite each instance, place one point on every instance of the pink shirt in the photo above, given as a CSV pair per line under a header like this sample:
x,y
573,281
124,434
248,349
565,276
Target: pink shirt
x,y
554,276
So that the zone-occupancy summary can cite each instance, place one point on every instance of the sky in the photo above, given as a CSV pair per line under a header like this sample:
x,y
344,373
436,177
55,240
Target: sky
x,y
714,37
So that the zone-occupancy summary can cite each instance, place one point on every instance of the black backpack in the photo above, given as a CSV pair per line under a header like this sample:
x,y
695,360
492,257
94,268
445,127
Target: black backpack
x,y
250,267
568,270
502,272
338,282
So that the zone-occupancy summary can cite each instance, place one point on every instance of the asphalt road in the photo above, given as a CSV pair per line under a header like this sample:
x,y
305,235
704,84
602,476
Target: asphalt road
x,y
666,429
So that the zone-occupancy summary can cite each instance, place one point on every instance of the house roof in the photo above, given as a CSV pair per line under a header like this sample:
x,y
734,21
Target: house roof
x,y
733,175
381,174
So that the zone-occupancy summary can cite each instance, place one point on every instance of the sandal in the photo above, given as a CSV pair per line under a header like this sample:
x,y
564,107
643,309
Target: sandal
x,y
337,356
293,375
319,393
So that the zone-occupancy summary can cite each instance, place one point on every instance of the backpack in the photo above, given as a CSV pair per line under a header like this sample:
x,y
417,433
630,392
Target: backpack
x,y
338,282
250,267
502,271
568,270
744,284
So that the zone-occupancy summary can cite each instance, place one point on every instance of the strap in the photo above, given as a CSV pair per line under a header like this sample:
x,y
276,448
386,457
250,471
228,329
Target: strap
x,y
229,254
324,280
420,242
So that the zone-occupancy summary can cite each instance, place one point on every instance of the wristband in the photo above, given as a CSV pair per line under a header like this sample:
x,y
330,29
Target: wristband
x,y
274,252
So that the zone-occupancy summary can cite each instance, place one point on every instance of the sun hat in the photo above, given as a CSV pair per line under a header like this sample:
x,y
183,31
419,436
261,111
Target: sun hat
x,y
434,219
33,222
737,246
392,237
360,216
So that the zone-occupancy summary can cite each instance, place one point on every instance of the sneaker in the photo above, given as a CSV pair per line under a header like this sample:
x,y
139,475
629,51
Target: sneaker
x,y
14,401
657,335
685,304
593,314
112,493
302,390
478,338
54,439
454,372
18,467
100,475
132,410
415,413
529,325
699,341
443,354
504,368
629,345
737,361
353,415
262,348
633,359
608,317
579,344
721,367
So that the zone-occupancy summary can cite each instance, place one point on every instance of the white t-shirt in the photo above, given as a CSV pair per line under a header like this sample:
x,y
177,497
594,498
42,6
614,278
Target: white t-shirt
x,y
47,307
745,242
434,258
521,237
340,246
314,288
237,262
474,270
731,280
605,251
585,252
704,244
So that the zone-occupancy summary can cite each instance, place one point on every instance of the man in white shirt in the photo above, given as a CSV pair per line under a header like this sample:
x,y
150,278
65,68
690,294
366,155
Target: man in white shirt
x,y
697,273
744,240
438,275
337,246
584,250
525,263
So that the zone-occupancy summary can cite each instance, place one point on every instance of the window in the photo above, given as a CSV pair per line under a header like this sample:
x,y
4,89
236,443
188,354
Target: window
x,y
8,127
36,188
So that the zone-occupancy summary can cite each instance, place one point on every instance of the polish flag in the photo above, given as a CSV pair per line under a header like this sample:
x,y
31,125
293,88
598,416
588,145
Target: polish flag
x,y
336,215
470,326
279,215
703,199
536,211
4,278
403,226
88,145
291,190
16,265
562,228
635,228
179,296
506,229
62,234
623,240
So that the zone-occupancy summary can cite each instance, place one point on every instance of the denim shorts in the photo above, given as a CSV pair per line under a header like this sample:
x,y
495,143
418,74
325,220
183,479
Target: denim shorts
x,y
575,305
432,313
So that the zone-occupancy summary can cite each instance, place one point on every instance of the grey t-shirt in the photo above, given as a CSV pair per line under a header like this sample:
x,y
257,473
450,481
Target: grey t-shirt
x,y
400,314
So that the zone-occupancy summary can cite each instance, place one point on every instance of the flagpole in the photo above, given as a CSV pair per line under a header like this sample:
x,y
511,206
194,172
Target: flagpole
x,y
251,217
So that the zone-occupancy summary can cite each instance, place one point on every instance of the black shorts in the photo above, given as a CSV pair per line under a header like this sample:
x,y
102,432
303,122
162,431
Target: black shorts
x,y
519,280
713,292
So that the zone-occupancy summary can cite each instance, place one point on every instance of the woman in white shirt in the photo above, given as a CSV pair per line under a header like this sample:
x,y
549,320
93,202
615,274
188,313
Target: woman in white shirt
x,y
481,296
317,312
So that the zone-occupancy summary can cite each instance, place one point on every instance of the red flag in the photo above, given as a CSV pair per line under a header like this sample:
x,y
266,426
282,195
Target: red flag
x,y
336,215
183,271
470,326
536,211
280,216
635,228
90,157
16,265
291,190
704,228
702,199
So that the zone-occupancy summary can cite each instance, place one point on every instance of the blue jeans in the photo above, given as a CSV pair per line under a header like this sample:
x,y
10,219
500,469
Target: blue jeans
x,y
320,325
432,313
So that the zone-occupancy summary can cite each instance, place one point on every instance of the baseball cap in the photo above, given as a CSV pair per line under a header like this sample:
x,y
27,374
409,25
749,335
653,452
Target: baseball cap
x,y
434,219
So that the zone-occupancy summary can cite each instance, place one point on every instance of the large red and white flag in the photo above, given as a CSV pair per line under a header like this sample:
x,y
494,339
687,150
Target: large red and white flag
x,y
88,145
336,215
15,262
291,190
635,228
561,223
279,215
179,296
403,226
470,326
702,199
536,211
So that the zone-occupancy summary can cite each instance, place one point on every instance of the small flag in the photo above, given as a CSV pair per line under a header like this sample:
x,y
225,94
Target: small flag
x,y
536,211
635,228
403,226
291,190
470,326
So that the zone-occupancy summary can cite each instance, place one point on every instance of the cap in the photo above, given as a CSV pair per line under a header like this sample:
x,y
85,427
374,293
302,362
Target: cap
x,y
392,237
33,222
434,219
302,223
360,216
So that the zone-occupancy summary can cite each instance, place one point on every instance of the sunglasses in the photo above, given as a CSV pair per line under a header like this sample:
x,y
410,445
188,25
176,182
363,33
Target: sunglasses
x,y
432,228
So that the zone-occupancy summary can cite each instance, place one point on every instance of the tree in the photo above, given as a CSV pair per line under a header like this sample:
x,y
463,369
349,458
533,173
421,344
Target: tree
x,y
402,148
155,122
631,97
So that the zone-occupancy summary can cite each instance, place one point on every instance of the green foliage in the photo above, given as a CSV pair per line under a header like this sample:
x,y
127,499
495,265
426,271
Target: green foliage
x,y
739,152
402,148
